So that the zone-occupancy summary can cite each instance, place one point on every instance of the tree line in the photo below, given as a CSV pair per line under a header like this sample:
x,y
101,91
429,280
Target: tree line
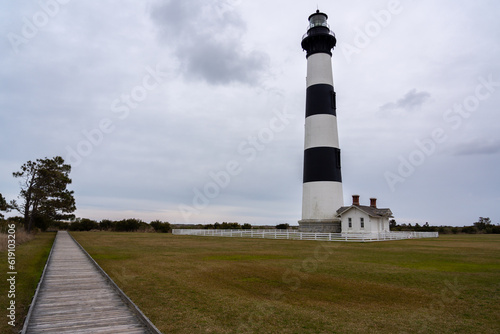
x,y
225,226
482,226
86,224
229,226
124,225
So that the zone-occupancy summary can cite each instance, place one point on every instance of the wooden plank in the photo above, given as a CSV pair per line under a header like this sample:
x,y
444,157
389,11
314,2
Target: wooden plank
x,y
75,297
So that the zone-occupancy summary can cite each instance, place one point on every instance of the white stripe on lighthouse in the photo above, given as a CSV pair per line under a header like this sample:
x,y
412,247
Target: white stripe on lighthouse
x,y
319,69
320,130
321,200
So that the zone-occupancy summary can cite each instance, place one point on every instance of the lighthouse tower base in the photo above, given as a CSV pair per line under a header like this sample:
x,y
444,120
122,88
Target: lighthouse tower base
x,y
320,225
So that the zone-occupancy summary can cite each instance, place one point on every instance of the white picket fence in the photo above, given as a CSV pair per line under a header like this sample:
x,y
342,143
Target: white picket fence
x,y
295,235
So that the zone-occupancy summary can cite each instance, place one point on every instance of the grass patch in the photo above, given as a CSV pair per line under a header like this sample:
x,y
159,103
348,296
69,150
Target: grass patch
x,y
189,284
244,257
31,257
21,237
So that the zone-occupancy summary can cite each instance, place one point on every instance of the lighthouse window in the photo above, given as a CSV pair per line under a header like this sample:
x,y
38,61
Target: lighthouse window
x,y
334,100
362,222
350,222
318,20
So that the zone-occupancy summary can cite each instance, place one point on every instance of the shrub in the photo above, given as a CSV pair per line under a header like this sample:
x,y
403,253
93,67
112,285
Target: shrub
x,y
230,226
59,225
469,229
83,224
42,223
128,225
161,227
106,225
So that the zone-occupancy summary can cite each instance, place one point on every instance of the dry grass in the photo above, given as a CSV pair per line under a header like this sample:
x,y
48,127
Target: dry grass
x,y
229,285
21,237
30,260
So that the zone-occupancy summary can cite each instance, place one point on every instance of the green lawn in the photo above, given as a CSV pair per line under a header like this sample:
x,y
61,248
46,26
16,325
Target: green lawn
x,y
30,261
190,284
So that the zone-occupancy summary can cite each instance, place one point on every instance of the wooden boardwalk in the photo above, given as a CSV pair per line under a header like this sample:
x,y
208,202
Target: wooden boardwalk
x,y
75,296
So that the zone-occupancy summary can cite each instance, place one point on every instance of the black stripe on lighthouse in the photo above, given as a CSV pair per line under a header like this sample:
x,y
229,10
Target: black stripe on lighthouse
x,y
320,99
322,164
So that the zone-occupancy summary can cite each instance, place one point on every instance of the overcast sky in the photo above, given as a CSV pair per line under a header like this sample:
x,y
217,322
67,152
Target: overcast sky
x,y
193,111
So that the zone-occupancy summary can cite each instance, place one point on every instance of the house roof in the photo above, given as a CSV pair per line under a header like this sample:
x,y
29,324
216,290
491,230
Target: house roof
x,y
371,211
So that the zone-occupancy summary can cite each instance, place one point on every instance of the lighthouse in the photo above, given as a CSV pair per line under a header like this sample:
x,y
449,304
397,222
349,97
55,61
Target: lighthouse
x,y
322,192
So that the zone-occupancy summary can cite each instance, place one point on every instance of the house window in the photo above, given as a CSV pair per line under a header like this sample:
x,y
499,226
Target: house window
x,y
362,220
350,222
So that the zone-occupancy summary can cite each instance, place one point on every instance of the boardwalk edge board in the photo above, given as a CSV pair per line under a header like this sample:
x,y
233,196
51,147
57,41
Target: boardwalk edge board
x,y
35,296
142,317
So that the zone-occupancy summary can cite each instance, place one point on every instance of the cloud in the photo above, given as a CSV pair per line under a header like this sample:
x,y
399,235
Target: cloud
x,y
206,39
479,146
411,101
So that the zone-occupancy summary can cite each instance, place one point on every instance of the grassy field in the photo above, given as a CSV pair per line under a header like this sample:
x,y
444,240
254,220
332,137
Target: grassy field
x,y
190,284
30,260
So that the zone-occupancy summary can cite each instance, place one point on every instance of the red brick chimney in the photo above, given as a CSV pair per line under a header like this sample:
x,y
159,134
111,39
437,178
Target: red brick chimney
x,y
355,199
373,202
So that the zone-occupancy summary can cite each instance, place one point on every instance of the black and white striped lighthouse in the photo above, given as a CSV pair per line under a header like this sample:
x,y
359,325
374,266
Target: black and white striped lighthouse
x,y
322,180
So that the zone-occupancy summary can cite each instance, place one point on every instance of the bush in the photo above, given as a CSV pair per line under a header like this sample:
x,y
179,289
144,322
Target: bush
x,y
128,225
59,225
282,226
495,229
469,229
83,224
42,223
106,225
161,227
4,225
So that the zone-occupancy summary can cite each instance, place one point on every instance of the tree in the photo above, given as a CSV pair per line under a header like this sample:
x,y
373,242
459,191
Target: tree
x,y
392,224
4,206
282,226
483,223
43,191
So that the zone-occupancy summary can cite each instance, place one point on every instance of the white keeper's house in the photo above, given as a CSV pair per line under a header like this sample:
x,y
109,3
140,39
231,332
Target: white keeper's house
x,y
364,219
